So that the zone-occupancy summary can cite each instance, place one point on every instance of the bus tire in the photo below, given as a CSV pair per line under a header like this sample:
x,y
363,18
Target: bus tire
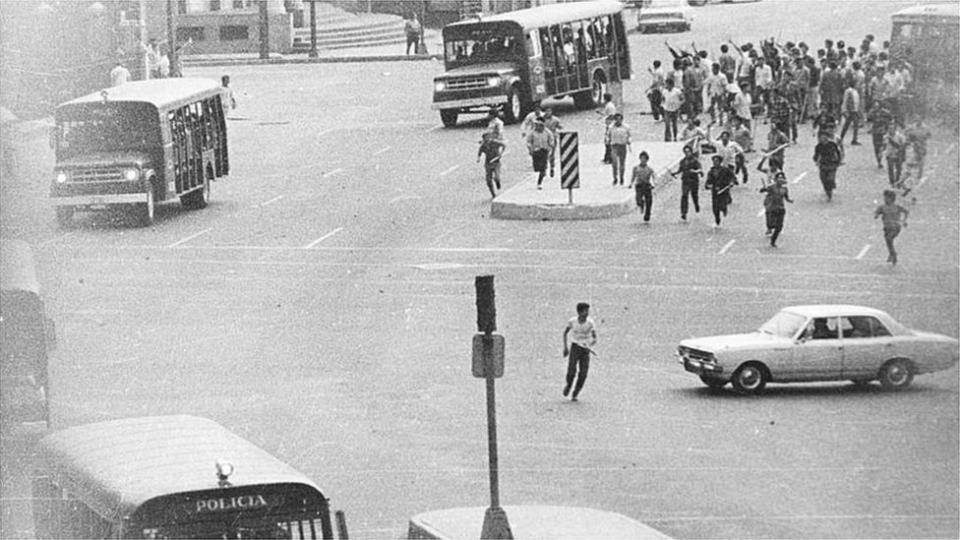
x,y
449,117
513,111
199,198
145,210
592,98
64,216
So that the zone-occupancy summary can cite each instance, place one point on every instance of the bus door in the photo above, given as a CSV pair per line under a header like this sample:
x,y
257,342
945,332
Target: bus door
x,y
582,48
560,60
535,66
549,62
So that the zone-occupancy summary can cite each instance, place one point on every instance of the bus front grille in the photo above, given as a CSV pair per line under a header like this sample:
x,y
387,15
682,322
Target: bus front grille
x,y
467,83
96,175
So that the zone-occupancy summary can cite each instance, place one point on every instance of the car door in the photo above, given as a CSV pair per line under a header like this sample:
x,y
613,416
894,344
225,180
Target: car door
x,y
867,344
818,353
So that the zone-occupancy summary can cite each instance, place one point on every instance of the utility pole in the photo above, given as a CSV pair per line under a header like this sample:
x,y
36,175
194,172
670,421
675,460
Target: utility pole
x,y
142,25
313,30
171,38
264,31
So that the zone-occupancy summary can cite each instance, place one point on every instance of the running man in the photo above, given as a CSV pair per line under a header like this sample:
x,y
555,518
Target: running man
x,y
893,216
583,337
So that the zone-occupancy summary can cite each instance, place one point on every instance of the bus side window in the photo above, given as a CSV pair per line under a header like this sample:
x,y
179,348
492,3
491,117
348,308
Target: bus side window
x,y
557,47
533,45
586,38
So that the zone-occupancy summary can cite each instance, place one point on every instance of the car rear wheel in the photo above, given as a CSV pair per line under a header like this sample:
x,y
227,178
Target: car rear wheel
x,y
714,384
896,374
449,117
750,378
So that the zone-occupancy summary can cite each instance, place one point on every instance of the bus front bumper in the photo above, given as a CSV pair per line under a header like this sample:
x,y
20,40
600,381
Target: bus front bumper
x,y
100,200
468,103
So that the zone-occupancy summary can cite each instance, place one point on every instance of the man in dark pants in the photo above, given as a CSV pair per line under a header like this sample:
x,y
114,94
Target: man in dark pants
x,y
719,181
583,336
828,155
690,172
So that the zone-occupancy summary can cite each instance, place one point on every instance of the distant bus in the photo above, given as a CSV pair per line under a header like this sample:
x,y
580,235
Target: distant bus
x,y
513,60
139,144
928,37
26,336
170,477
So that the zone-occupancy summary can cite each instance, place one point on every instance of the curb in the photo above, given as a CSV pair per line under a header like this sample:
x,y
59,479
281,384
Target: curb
x,y
318,60
561,212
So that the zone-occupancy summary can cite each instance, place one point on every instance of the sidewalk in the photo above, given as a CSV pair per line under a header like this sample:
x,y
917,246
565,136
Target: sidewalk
x,y
378,53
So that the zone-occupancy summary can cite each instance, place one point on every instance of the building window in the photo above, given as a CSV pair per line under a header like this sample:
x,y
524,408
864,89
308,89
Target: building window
x,y
239,4
214,5
181,7
189,32
234,33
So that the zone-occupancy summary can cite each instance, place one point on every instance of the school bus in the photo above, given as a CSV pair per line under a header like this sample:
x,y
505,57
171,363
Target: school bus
x,y
928,37
176,476
513,60
26,336
138,144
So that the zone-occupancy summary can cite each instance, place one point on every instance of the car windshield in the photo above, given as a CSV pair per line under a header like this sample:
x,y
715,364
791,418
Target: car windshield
x,y
783,324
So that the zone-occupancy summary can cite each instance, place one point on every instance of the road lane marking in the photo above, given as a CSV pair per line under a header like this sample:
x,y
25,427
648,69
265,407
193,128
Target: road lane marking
x,y
726,247
450,170
189,238
382,150
798,178
404,197
322,238
333,172
863,252
435,128
271,201
761,212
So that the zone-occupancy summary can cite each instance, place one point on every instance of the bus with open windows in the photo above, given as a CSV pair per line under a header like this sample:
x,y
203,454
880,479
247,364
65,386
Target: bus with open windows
x,y
928,38
138,144
176,476
516,59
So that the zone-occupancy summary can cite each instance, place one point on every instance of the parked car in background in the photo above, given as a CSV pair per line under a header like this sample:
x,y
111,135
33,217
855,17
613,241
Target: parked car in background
x,y
659,15
699,3
819,343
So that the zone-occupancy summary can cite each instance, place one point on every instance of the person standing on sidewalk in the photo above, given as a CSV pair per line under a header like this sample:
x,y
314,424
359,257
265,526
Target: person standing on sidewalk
x,y
618,138
412,29
583,337
642,181
540,144
609,111
893,216
773,206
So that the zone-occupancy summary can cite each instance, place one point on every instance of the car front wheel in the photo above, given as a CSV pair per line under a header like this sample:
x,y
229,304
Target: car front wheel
x,y
896,375
750,378
714,384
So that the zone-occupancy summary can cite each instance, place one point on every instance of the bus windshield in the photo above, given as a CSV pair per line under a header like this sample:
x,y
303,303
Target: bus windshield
x,y
87,128
481,44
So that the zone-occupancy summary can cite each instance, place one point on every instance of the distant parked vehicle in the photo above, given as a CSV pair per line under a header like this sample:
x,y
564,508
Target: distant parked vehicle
x,y
661,15
699,3
819,343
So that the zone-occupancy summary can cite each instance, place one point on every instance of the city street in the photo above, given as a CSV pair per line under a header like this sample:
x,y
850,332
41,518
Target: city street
x,y
323,307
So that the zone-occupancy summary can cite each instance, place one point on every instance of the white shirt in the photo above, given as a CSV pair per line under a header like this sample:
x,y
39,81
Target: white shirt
x,y
763,76
672,99
582,333
119,75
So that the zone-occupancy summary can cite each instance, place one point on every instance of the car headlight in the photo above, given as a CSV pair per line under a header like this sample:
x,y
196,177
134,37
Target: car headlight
x,y
439,86
493,81
61,177
131,175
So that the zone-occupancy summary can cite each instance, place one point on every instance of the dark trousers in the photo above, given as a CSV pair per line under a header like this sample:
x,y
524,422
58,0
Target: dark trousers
x,y
894,170
878,148
577,367
741,166
889,233
412,39
719,204
828,178
775,223
656,100
851,119
670,125
689,190
618,160
644,199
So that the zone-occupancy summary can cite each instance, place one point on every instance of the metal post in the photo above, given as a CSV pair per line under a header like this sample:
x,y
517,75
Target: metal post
x,y
264,31
491,423
171,39
313,30
142,24
570,198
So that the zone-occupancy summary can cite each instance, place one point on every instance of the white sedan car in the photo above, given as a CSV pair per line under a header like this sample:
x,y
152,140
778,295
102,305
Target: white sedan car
x,y
819,343
664,15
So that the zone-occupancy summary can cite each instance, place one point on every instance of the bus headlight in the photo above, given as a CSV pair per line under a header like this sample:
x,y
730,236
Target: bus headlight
x,y
493,81
131,175
439,86
61,177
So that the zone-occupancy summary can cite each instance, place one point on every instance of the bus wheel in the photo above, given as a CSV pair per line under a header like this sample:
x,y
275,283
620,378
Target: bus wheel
x,y
449,117
197,199
145,210
513,112
64,216
589,99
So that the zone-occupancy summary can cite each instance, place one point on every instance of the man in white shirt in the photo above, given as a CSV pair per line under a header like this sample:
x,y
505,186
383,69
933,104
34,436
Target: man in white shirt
x,y
119,74
583,337
672,102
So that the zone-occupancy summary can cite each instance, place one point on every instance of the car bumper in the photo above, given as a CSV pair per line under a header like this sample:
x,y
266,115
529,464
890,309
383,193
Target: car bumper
x,y
469,102
700,367
100,200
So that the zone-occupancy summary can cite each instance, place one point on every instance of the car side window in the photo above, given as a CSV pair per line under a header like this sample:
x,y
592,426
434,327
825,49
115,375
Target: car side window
x,y
822,328
863,327
879,330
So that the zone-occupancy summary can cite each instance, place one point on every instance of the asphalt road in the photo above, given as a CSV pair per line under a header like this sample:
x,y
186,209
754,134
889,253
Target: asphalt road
x,y
323,307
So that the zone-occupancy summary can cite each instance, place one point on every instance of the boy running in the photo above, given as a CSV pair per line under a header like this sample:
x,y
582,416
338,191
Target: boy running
x,y
583,337
642,181
773,205
893,216
492,149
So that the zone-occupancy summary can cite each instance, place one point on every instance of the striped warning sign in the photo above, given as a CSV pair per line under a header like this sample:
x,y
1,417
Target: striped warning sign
x,y
569,160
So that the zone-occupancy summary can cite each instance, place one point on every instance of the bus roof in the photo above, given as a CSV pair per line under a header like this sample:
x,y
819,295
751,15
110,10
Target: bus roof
x,y
120,464
934,10
17,270
550,14
161,93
